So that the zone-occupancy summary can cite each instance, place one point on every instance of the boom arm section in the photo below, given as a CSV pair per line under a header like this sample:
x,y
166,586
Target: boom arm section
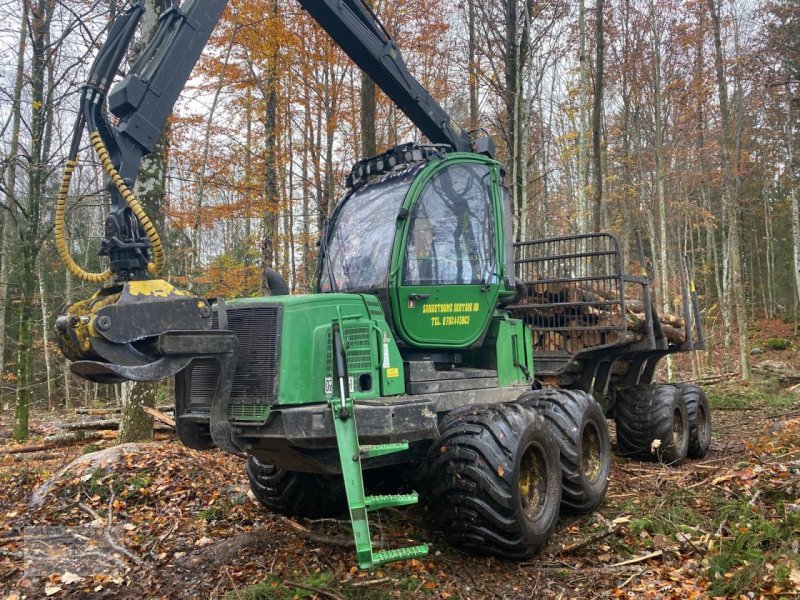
x,y
357,31
142,102
144,99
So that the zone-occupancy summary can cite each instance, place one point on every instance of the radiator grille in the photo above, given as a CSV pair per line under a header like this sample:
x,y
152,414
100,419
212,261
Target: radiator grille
x,y
256,380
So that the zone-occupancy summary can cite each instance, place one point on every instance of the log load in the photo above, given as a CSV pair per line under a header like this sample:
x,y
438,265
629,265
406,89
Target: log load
x,y
571,317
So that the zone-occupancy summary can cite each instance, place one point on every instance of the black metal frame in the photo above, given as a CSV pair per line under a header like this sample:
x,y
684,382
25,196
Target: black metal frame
x,y
591,260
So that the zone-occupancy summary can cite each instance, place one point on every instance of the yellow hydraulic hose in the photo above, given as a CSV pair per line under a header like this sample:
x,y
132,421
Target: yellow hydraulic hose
x,y
60,232
154,268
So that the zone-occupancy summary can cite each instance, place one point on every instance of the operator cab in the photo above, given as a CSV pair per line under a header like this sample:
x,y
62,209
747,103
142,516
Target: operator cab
x,y
426,238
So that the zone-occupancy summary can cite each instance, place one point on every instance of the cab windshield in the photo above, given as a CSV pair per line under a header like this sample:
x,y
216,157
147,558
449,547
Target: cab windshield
x,y
360,245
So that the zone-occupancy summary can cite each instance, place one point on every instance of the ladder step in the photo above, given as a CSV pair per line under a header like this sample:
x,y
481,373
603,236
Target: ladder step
x,y
385,556
386,501
381,449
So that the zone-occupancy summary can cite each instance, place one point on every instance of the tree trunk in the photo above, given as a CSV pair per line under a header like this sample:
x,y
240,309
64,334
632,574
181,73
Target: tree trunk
x,y
24,349
65,370
472,57
45,335
135,424
308,269
730,200
659,154
583,212
10,182
29,223
627,176
369,144
329,95
794,180
597,118
770,252
512,76
271,192
369,110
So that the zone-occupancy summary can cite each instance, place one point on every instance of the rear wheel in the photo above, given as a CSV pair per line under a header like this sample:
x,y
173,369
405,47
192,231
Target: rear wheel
x,y
699,412
579,427
296,494
652,422
495,481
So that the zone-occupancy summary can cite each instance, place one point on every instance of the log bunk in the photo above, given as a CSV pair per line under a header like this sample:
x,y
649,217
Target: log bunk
x,y
573,316
593,326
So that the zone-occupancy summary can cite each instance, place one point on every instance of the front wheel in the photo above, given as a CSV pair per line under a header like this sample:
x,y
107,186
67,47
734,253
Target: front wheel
x,y
294,494
495,481
579,427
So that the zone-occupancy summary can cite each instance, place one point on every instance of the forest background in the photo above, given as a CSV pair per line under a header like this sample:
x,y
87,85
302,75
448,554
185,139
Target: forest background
x,y
676,119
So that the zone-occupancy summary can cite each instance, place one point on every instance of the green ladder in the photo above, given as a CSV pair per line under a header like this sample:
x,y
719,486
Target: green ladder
x,y
350,455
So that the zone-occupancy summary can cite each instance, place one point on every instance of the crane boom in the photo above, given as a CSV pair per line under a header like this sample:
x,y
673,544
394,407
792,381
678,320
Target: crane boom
x,y
143,100
357,31
112,336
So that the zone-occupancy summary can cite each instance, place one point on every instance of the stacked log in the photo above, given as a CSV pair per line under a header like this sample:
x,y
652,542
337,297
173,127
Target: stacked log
x,y
576,316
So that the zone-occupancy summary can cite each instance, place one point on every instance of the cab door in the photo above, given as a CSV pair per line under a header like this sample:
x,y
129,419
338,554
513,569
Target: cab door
x,y
447,265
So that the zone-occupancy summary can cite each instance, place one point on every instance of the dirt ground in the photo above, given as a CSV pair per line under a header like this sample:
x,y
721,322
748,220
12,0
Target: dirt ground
x,y
175,523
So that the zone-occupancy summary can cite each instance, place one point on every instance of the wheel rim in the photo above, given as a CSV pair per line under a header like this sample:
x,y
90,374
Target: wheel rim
x,y
533,482
703,429
677,428
591,453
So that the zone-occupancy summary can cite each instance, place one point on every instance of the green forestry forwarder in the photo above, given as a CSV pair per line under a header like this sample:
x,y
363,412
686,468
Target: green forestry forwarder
x,y
405,357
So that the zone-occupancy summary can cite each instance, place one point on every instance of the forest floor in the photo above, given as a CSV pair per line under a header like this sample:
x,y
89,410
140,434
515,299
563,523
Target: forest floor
x,y
724,526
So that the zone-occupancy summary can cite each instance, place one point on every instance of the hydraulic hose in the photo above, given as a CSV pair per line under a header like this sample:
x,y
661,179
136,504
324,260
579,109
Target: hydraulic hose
x,y
154,267
60,232
157,265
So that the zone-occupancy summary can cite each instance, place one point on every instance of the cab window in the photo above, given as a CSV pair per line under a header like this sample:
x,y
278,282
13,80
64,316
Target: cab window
x,y
451,229
360,244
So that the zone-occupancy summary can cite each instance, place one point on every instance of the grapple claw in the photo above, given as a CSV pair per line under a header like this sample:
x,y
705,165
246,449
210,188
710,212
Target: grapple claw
x,y
100,372
114,335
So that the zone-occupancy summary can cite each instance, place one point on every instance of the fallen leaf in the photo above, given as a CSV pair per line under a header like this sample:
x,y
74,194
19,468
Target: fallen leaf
x,y
621,520
794,577
51,590
68,578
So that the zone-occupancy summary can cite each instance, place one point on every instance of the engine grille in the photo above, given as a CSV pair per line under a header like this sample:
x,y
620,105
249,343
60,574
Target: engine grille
x,y
256,380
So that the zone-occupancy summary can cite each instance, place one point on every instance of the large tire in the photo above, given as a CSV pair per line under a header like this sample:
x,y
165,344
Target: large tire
x,y
294,494
652,422
495,481
579,427
699,412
